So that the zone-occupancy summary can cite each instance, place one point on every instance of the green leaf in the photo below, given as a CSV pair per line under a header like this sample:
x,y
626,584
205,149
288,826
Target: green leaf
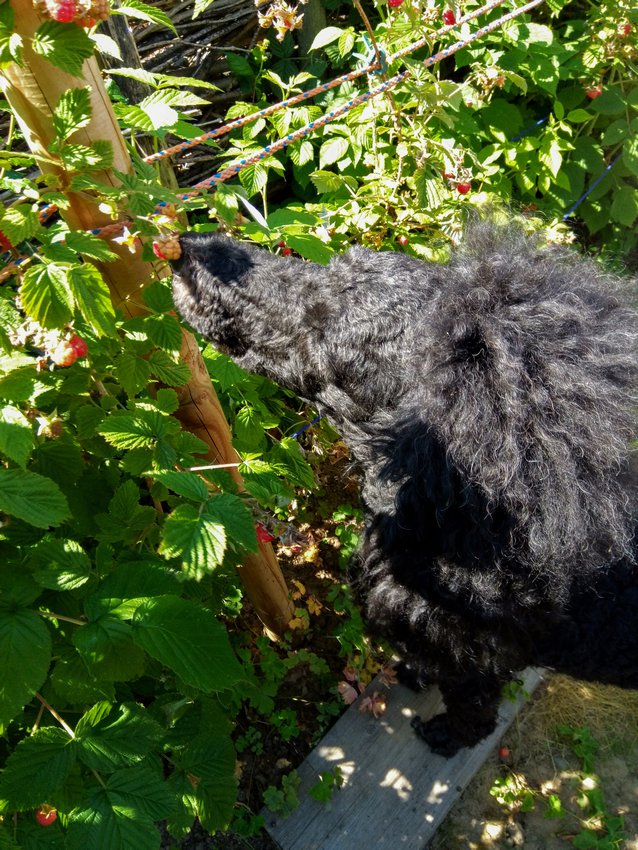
x,y
189,641
141,790
73,683
210,759
46,295
254,178
94,157
223,369
32,498
145,12
60,564
624,208
326,36
72,112
25,649
610,102
124,590
140,430
113,737
64,46
630,154
197,538
107,648
165,369
97,824
132,372
185,484
92,298
37,768
164,331
579,116
332,150
19,223
89,245
61,459
310,247
16,435
158,297
288,454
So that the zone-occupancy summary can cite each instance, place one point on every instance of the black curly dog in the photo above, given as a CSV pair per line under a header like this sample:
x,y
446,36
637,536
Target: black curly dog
x,y
490,405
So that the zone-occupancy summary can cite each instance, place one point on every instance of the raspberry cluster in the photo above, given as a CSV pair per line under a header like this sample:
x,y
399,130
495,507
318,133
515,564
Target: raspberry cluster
x,y
167,248
86,13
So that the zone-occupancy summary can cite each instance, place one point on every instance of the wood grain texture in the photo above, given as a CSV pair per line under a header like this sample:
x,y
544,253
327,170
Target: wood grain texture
x,y
396,792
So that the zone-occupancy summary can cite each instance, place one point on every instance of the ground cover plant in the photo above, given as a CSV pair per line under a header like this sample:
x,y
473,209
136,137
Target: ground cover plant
x,y
133,674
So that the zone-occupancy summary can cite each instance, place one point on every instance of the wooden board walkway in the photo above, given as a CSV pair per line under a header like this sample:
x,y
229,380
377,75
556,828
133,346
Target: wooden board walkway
x,y
396,792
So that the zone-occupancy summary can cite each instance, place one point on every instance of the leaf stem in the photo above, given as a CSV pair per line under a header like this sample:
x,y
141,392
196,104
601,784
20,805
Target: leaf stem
x,y
52,711
52,616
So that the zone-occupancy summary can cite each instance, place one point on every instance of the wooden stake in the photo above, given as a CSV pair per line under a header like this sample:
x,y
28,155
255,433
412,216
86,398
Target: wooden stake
x,y
33,90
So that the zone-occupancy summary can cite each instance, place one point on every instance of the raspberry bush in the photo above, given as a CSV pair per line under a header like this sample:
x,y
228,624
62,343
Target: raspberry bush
x,y
124,664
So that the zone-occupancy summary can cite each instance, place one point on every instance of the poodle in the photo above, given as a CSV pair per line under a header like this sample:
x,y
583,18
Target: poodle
x,y
489,404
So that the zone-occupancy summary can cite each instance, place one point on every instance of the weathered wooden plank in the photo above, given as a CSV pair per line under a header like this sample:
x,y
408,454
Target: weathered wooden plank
x,y
396,792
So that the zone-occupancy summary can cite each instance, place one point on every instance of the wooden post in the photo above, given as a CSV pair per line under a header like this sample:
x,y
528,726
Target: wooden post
x,y
32,90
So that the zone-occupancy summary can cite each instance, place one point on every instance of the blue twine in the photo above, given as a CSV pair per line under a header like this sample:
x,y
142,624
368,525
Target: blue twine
x,y
591,188
529,129
305,427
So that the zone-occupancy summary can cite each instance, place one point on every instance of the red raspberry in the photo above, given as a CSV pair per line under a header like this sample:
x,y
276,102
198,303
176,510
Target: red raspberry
x,y
286,252
448,175
46,815
79,346
86,22
281,244
263,535
158,251
463,188
167,248
64,355
449,18
403,241
394,4
624,30
593,93
62,11
5,244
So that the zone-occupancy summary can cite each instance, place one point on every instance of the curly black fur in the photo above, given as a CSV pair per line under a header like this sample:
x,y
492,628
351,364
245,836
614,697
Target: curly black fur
x,y
490,405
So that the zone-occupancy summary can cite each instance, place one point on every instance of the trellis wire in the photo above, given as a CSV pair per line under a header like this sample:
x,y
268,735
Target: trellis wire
x,y
280,144
320,89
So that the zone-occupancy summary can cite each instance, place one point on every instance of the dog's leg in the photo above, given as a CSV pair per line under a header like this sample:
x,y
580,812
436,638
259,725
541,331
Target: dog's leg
x,y
472,703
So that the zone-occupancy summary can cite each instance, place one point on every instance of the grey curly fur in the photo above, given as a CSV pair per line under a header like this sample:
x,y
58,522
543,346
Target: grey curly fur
x,y
490,404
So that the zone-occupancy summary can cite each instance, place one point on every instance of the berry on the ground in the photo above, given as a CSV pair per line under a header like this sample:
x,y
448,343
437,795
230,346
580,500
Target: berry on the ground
x,y
449,18
463,188
504,753
46,815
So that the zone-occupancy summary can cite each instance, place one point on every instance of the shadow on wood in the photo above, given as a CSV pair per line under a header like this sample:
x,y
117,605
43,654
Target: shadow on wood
x,y
396,792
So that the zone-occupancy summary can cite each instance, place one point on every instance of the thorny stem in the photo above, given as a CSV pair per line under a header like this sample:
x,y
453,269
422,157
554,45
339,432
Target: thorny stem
x,y
52,711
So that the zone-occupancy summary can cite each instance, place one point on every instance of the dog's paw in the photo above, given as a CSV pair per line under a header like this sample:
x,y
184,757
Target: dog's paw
x,y
437,735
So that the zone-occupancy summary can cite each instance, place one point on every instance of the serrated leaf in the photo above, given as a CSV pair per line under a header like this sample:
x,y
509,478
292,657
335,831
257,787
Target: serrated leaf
x,y
189,641
288,454
46,296
223,369
210,760
630,154
165,369
158,297
624,208
144,12
107,648
164,331
64,46
310,247
185,484
141,790
167,401
25,649
73,683
197,539
72,112
201,6
124,590
106,45
141,430
161,115
92,298
85,158
60,564
133,117
32,498
97,825
326,181
61,459
89,245
16,435
109,738
10,320
19,223
332,150
254,178
37,767
132,372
